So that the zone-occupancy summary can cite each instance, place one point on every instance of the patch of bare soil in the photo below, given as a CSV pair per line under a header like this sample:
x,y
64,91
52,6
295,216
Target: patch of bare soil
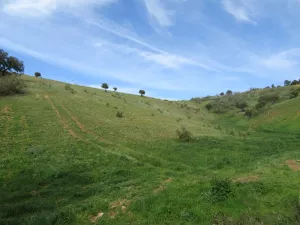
x,y
6,111
94,219
118,206
293,164
246,179
162,185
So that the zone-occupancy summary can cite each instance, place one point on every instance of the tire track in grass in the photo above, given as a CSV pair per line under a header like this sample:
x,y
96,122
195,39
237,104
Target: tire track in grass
x,y
82,127
62,121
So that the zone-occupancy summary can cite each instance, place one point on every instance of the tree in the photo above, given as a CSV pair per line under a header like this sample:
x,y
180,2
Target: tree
x,y
115,89
241,105
37,74
229,92
142,93
10,63
273,86
208,106
105,86
269,98
295,82
222,93
287,83
249,113
295,93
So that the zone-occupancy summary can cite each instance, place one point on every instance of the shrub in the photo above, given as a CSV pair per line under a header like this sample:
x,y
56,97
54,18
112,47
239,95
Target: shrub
x,y
241,105
229,92
85,90
220,189
269,98
119,114
208,106
107,104
67,87
184,135
260,105
37,74
295,93
179,119
249,113
11,85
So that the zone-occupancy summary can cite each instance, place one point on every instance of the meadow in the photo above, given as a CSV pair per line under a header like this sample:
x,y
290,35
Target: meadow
x,y
78,155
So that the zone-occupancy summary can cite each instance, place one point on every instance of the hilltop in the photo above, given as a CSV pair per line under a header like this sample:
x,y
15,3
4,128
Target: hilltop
x,y
78,155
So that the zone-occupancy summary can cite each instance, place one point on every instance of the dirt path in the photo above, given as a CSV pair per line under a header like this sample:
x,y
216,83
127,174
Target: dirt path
x,y
62,121
293,164
82,126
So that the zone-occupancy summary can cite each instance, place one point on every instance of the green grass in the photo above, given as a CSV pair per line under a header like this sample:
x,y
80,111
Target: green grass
x,y
66,157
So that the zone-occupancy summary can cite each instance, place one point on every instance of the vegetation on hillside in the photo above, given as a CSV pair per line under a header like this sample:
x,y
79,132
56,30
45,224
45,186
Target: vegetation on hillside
x,y
78,155
252,102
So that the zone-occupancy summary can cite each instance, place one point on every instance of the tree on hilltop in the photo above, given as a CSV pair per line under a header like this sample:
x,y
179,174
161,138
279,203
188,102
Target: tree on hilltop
x,y
142,93
105,86
10,64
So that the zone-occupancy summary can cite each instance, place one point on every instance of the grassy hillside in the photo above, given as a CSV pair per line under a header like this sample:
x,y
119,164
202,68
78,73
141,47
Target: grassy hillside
x,y
66,158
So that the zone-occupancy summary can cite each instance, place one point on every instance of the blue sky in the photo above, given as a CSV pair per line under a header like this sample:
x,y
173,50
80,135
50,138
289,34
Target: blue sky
x,y
174,49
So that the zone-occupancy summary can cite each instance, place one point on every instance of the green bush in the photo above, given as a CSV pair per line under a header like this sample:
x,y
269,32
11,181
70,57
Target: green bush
x,y
249,113
269,98
67,87
221,189
295,93
119,114
241,105
260,105
37,74
11,85
208,106
184,135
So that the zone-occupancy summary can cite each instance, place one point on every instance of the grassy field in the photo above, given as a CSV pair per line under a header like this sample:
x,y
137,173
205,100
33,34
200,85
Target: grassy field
x,y
67,158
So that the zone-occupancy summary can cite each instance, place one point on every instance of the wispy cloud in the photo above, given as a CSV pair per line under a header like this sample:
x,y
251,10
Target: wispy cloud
x,y
285,60
156,54
117,43
37,8
241,10
158,10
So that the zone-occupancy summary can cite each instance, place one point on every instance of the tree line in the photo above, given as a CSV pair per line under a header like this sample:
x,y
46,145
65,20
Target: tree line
x,y
105,86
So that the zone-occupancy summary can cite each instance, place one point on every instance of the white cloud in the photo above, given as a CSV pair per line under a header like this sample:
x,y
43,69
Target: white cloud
x,y
156,55
241,10
37,8
285,60
159,12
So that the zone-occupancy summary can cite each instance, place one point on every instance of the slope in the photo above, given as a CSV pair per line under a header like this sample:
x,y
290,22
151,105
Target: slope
x,y
66,158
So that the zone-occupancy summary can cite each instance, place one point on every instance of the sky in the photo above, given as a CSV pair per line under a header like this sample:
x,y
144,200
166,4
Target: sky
x,y
173,49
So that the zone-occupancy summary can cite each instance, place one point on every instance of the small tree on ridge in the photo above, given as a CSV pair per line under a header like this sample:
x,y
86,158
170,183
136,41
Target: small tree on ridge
x,y
142,93
37,74
105,86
